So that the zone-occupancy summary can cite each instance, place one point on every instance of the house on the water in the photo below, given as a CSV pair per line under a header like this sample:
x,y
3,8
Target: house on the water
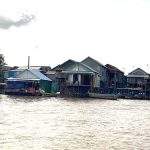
x,y
28,82
138,83
137,78
116,79
89,75
101,69
76,78
14,71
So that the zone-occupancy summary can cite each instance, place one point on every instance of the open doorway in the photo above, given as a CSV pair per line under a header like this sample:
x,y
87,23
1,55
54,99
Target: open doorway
x,y
86,79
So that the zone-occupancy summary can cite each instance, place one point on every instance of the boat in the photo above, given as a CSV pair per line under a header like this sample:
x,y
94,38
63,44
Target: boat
x,y
103,96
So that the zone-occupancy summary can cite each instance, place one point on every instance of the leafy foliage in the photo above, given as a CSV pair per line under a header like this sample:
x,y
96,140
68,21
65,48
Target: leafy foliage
x,y
2,64
2,61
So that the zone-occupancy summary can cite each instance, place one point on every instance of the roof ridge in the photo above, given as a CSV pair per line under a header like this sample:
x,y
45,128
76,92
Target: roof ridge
x,y
32,71
94,60
59,65
39,73
88,67
139,69
113,67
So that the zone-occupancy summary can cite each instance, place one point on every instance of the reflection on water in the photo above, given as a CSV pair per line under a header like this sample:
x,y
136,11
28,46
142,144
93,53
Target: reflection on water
x,y
73,124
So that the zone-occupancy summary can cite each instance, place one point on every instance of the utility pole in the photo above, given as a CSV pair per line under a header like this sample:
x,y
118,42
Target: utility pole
x,y
28,62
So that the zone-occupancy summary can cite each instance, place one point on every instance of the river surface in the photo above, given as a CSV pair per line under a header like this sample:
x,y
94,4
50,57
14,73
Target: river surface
x,y
73,124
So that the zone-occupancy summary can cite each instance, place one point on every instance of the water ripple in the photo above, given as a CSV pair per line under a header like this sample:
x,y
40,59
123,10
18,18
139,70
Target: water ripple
x,y
73,124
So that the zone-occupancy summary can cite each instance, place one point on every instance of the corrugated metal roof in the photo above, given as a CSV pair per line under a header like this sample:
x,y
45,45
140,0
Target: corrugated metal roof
x,y
90,59
18,79
93,70
38,74
16,70
64,65
113,68
138,73
31,67
92,63
75,72
74,66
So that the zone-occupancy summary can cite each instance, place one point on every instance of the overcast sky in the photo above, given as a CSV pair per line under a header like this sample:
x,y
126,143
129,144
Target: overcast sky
x,y
111,31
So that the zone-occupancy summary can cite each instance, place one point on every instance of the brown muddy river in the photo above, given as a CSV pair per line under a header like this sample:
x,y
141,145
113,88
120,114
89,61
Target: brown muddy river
x,y
73,124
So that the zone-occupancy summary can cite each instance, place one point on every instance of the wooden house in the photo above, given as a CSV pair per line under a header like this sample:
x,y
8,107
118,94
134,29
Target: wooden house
x,y
14,71
116,78
76,78
138,83
28,81
137,78
98,67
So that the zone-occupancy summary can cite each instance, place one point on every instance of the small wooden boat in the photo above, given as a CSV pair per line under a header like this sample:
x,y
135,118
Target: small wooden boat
x,y
103,96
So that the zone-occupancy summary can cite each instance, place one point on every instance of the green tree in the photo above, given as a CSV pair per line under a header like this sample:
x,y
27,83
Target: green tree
x,y
2,61
2,64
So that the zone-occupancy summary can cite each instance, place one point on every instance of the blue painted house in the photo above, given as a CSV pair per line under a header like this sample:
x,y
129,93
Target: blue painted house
x,y
12,73
29,81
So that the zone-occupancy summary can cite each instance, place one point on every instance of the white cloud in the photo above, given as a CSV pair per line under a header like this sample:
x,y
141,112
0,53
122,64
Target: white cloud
x,y
111,31
6,23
